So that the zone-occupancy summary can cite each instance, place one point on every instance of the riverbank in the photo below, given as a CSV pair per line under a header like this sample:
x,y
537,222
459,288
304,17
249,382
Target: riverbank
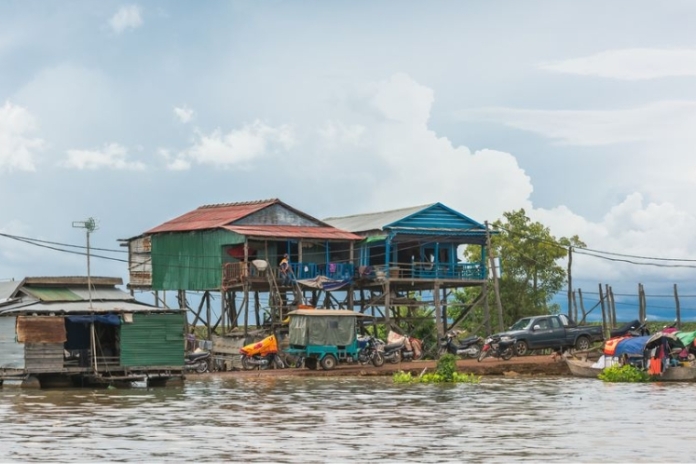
x,y
517,366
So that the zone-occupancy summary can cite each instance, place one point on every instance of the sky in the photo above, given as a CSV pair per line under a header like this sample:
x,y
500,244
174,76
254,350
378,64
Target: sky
x,y
582,113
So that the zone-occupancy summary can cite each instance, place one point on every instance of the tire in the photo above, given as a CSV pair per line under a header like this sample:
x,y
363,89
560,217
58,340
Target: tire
x,y
482,355
395,358
507,354
201,367
420,356
521,348
311,363
246,363
328,362
477,351
278,362
582,343
378,359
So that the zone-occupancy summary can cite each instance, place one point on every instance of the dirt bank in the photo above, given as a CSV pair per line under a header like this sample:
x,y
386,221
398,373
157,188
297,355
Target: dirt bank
x,y
526,365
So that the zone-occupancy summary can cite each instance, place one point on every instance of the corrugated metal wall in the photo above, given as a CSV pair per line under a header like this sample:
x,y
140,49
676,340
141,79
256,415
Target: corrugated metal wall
x,y
44,357
11,352
189,260
153,340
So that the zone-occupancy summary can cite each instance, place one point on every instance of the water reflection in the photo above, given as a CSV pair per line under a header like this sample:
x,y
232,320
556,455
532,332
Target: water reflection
x,y
350,420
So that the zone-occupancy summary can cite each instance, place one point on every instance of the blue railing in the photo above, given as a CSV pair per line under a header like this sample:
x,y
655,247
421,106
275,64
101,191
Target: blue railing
x,y
338,271
463,271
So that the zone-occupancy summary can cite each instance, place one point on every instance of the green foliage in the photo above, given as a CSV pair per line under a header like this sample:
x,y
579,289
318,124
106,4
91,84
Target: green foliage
x,y
446,373
529,273
626,373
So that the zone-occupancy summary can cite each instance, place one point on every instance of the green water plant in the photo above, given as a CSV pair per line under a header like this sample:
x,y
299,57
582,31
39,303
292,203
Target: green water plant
x,y
625,373
446,373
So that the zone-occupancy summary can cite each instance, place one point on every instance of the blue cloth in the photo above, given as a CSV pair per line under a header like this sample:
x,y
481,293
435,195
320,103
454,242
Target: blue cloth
x,y
111,319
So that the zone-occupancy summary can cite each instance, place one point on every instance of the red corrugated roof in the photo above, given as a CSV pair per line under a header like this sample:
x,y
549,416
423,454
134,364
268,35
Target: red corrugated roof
x,y
212,216
324,233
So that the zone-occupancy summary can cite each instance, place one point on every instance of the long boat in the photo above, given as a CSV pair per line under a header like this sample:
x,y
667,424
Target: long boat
x,y
580,368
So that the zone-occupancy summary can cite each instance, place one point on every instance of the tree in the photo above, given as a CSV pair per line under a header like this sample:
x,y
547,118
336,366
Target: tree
x,y
529,271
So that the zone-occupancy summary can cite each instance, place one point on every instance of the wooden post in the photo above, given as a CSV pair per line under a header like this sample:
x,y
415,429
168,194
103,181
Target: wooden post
x,y
604,314
486,309
208,317
641,303
614,324
491,258
570,284
607,295
438,312
676,302
582,306
387,302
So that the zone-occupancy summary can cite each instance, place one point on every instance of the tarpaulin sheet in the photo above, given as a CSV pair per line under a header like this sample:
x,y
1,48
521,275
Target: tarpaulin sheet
x,y
111,319
631,346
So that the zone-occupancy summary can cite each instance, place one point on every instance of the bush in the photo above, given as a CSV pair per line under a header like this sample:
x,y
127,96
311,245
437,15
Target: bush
x,y
626,373
446,373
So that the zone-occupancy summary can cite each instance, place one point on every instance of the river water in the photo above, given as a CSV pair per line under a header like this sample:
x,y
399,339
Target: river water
x,y
353,420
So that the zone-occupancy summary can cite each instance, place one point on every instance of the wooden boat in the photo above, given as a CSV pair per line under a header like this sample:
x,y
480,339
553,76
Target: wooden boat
x,y
680,373
580,368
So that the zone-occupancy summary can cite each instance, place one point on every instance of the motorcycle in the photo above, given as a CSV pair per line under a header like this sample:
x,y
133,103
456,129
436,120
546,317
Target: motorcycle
x,y
370,351
497,347
197,361
468,347
402,348
262,355
631,329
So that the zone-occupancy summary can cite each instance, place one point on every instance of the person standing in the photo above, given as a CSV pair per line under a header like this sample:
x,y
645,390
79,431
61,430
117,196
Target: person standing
x,y
284,268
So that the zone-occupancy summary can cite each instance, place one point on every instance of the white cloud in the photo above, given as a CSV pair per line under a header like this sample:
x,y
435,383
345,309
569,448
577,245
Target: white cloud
x,y
127,17
174,163
184,114
112,156
388,152
630,64
17,147
653,122
240,145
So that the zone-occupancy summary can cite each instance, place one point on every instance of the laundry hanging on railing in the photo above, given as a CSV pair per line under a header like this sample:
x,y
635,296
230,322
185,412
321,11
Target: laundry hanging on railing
x,y
324,283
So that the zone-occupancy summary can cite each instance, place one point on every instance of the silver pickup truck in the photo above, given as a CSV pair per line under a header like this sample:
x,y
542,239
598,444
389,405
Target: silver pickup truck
x,y
556,332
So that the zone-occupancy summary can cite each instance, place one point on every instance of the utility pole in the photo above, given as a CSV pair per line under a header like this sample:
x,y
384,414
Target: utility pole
x,y
90,225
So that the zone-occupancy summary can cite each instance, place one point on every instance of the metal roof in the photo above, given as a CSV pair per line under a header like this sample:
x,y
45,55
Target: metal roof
x,y
212,216
73,280
8,289
373,221
80,307
323,233
326,312
51,293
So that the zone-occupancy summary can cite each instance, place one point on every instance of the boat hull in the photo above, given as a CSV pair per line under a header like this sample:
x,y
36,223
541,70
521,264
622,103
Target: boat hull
x,y
583,368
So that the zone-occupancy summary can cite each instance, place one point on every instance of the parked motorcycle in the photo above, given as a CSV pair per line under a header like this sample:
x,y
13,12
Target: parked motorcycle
x,y
402,348
262,355
497,347
370,351
631,329
467,347
197,361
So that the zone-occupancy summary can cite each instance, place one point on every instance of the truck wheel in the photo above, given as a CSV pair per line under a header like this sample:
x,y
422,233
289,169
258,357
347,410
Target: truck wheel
x,y
328,362
521,348
582,344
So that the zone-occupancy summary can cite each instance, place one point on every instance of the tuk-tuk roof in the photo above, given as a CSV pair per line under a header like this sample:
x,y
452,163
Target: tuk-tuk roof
x,y
326,312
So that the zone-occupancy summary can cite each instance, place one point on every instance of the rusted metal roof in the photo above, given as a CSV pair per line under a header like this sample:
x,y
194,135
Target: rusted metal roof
x,y
324,233
40,330
73,280
8,289
81,307
212,216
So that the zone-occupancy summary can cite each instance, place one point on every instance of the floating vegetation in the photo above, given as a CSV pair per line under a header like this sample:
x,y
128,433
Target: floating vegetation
x,y
446,373
625,373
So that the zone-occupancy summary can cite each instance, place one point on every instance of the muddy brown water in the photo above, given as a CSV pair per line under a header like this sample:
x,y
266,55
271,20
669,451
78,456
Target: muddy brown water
x,y
352,419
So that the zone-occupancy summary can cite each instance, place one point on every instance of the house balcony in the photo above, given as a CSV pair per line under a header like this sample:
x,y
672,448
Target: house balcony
x,y
236,273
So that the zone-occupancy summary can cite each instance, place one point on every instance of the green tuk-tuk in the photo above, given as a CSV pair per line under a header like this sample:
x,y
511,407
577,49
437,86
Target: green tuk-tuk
x,y
323,337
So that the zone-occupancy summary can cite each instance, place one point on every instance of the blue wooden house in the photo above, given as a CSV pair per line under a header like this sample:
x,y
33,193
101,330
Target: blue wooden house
x,y
417,243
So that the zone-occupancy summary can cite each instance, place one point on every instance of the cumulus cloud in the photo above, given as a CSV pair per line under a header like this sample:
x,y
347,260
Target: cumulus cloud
x,y
411,164
111,156
17,146
238,146
173,163
127,17
336,133
184,114
630,64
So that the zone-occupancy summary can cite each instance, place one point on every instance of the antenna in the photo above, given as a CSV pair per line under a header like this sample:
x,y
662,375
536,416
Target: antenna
x,y
90,225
